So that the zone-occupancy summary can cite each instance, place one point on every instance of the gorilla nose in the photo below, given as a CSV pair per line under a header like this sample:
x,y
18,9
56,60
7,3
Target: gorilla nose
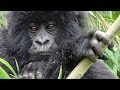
x,y
45,42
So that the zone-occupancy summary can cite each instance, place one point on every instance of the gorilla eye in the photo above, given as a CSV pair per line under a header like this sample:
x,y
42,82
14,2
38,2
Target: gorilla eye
x,y
50,25
33,28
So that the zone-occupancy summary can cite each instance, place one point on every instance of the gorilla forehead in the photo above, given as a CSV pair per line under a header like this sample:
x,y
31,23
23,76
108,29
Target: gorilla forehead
x,y
42,15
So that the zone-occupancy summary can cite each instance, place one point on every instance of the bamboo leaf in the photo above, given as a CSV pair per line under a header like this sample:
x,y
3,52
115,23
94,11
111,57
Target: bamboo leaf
x,y
3,74
60,73
8,66
17,66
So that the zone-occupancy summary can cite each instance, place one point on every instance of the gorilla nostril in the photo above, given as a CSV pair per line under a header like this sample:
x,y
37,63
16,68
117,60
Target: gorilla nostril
x,y
38,42
42,43
46,42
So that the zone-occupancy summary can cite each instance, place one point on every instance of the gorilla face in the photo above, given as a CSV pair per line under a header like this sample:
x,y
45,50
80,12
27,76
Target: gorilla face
x,y
36,34
43,38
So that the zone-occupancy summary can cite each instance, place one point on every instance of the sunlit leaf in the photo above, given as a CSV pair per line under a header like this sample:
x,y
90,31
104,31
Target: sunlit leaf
x,y
8,66
3,74
60,73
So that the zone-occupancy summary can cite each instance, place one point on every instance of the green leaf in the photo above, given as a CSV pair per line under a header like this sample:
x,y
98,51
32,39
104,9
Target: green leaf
x,y
17,66
60,73
8,66
3,74
91,13
111,56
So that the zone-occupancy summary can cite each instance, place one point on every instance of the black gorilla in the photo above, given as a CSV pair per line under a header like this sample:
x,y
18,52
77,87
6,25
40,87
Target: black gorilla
x,y
42,41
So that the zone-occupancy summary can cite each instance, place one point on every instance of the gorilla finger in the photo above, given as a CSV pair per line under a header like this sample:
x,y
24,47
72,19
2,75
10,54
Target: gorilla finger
x,y
20,76
101,36
26,70
97,35
104,57
38,74
93,42
91,55
110,47
96,47
29,65
98,51
25,75
31,75
106,40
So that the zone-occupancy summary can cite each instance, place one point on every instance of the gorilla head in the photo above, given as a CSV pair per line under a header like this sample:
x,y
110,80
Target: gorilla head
x,y
36,33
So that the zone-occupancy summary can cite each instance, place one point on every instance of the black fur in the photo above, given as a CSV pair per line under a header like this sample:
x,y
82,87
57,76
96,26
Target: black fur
x,y
72,40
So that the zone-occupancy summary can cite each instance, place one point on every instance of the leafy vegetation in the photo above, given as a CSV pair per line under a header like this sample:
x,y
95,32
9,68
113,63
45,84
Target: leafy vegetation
x,y
3,73
2,19
102,20
98,20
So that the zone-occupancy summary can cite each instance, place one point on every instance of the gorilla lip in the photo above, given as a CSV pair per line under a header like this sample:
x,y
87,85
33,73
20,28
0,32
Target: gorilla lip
x,y
43,53
39,57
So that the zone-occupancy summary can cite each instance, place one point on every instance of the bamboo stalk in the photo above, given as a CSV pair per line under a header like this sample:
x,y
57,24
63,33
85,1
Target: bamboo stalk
x,y
85,64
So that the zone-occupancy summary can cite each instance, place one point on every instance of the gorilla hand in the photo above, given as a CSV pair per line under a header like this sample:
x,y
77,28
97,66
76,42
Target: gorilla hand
x,y
95,48
31,70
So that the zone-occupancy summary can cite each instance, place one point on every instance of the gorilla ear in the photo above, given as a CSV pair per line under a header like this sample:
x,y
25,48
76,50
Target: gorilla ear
x,y
81,17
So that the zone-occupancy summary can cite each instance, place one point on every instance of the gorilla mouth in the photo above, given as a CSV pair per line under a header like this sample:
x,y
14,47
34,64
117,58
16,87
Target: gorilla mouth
x,y
43,54
40,56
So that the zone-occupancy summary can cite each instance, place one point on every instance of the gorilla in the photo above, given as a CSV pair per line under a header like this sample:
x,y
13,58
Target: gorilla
x,y
42,41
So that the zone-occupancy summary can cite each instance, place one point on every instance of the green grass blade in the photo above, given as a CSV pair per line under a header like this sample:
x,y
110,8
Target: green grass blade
x,y
8,66
17,66
91,13
60,73
12,76
3,74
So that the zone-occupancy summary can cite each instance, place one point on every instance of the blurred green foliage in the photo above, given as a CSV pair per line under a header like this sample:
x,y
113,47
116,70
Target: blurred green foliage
x,y
2,19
